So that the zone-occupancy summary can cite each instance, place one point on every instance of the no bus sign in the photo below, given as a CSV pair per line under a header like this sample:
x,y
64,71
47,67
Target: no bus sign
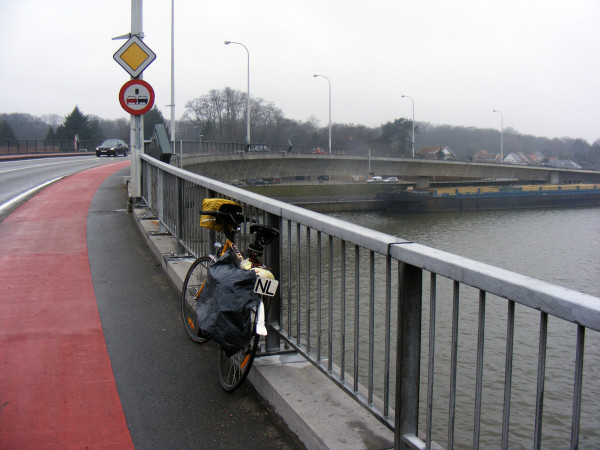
x,y
136,97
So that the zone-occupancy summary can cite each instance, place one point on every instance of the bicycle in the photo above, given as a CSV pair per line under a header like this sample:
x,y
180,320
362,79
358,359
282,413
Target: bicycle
x,y
226,216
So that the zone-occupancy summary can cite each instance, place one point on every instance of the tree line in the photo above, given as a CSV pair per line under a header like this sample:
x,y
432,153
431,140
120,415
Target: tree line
x,y
220,116
86,127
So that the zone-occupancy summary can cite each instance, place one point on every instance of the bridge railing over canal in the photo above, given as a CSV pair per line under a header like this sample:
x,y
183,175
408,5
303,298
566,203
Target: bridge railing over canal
x,y
442,349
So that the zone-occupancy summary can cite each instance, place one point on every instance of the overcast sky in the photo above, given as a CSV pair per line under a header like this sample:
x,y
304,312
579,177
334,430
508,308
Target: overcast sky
x,y
537,61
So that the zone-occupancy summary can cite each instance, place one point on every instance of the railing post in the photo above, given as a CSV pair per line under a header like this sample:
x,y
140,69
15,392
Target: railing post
x,y
179,194
408,353
273,259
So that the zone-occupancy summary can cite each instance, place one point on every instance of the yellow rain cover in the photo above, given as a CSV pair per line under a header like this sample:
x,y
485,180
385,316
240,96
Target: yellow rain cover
x,y
214,204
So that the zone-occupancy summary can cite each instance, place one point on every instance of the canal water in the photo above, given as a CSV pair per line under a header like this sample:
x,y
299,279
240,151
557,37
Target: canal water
x,y
561,246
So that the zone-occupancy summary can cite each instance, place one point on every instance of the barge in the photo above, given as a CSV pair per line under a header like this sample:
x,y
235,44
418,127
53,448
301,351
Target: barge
x,y
491,198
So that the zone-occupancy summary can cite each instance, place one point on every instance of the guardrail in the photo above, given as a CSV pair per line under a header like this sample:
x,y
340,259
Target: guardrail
x,y
33,146
401,327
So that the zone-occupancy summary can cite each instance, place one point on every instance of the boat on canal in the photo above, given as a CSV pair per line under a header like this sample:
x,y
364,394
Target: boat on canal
x,y
487,198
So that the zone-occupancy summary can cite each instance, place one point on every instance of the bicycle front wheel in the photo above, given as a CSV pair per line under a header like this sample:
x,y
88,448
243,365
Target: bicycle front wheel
x,y
233,370
192,287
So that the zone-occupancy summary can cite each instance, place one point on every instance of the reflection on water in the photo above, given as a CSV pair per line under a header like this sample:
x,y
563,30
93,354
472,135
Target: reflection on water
x,y
561,246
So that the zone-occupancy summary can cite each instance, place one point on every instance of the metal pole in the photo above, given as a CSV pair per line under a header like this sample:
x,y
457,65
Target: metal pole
x,y
328,81
501,135
173,81
136,125
413,123
248,95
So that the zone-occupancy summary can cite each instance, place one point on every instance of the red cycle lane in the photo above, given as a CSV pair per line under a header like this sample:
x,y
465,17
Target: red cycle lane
x,y
57,388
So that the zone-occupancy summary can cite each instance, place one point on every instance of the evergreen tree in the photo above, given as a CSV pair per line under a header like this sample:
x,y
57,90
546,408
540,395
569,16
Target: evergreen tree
x,y
395,137
151,118
95,131
75,123
6,132
50,135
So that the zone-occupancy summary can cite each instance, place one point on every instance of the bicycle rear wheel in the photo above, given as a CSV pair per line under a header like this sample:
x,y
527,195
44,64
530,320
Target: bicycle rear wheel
x,y
233,370
192,286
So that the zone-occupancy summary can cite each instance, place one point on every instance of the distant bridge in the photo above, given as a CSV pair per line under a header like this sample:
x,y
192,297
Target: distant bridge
x,y
229,167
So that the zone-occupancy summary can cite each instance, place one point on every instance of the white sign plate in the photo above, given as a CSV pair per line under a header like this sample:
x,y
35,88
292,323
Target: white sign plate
x,y
266,286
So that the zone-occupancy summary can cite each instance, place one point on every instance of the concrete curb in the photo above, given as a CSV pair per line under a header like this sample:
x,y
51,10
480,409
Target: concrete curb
x,y
312,406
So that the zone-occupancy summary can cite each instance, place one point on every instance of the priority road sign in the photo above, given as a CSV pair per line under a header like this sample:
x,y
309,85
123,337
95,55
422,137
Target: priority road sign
x,y
136,97
134,56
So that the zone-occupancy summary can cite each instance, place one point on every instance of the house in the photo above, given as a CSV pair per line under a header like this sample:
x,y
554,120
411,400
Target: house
x,y
537,157
516,158
436,153
485,157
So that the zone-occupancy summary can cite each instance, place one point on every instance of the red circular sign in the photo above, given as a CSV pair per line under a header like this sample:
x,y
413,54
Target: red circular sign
x,y
136,97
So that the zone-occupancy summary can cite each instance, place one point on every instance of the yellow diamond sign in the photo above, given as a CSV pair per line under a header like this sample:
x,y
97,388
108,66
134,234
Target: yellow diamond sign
x,y
134,56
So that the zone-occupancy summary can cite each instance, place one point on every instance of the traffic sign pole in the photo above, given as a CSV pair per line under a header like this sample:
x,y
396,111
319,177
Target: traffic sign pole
x,y
136,134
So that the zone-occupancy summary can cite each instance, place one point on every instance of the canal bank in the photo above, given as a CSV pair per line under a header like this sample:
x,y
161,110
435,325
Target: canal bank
x,y
327,197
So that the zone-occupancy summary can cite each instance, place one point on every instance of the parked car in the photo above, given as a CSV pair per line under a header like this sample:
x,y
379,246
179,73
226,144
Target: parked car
x,y
375,179
112,147
390,180
255,182
318,151
259,149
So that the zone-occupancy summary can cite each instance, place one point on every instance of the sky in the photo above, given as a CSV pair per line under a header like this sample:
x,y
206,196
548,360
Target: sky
x,y
536,61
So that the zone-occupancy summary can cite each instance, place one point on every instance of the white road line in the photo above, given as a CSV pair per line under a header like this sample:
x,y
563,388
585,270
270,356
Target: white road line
x,y
43,165
20,197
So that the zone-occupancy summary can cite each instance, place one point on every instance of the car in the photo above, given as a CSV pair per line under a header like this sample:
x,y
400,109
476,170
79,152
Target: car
x,y
259,149
375,179
390,180
112,147
255,182
318,151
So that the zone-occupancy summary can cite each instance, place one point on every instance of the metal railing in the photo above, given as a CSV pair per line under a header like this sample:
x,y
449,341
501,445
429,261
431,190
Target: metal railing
x,y
36,146
401,327
190,148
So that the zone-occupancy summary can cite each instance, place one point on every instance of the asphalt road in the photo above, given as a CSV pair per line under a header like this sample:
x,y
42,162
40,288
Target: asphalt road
x,y
19,176
168,385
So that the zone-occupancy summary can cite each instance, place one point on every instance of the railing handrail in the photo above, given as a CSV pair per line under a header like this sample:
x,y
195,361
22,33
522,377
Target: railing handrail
x,y
564,303
578,307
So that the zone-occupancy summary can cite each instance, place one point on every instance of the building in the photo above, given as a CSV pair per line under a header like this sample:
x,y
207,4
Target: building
x,y
516,158
484,157
438,153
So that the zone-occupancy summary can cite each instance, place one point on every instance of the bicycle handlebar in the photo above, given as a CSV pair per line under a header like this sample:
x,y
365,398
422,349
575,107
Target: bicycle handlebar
x,y
233,218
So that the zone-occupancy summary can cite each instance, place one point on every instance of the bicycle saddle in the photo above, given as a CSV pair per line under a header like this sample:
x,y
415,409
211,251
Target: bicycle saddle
x,y
263,235
264,232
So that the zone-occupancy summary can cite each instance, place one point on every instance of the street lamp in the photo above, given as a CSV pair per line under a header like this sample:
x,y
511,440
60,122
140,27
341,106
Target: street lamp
x,y
329,81
501,135
248,95
413,123
172,105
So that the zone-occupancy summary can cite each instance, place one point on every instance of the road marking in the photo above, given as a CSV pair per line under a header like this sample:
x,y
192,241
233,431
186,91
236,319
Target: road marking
x,y
44,165
25,194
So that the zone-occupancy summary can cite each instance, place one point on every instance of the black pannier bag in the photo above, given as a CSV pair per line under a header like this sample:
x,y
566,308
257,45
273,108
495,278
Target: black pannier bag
x,y
225,304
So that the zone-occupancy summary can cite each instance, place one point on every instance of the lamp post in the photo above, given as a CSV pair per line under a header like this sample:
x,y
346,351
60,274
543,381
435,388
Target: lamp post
x,y
413,123
172,105
501,135
248,95
328,81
